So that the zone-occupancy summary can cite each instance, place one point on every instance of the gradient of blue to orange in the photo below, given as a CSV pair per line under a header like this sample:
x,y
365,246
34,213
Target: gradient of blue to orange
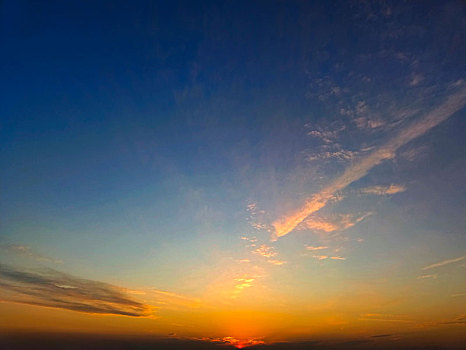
x,y
239,172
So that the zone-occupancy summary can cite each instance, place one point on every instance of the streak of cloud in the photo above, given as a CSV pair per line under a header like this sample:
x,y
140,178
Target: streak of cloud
x,y
51,288
358,170
385,318
339,222
320,224
28,252
443,263
276,262
460,319
316,247
320,257
433,276
384,190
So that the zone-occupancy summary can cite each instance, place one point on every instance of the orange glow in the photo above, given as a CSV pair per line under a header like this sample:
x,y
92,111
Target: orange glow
x,y
241,343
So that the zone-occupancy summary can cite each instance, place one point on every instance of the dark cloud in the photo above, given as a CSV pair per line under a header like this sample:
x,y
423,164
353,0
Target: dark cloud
x,y
381,335
51,288
461,319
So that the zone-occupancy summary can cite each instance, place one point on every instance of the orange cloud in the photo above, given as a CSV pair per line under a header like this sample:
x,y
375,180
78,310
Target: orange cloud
x,y
276,262
320,224
237,343
320,257
336,223
316,248
265,251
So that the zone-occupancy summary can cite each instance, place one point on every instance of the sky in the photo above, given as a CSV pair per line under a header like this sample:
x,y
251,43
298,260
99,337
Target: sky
x,y
234,172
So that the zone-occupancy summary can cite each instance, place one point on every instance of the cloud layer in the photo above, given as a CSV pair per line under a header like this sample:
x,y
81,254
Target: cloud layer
x,y
52,288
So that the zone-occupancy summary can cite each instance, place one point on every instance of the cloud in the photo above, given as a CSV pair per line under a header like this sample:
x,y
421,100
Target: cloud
x,y
383,190
316,248
320,257
365,122
52,288
341,154
320,224
265,251
237,343
381,335
28,252
336,223
416,79
359,169
433,276
276,262
325,135
386,318
443,263
244,283
324,257
461,319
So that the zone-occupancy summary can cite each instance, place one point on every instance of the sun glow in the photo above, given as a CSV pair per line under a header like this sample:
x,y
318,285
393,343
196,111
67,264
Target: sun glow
x,y
241,343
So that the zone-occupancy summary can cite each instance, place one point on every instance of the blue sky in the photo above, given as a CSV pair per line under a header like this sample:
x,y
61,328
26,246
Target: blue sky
x,y
290,148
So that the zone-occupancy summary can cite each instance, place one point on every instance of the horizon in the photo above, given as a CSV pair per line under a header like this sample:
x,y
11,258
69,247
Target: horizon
x,y
202,174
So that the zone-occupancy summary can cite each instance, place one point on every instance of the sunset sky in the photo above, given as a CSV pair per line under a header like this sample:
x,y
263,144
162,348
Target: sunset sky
x,y
236,172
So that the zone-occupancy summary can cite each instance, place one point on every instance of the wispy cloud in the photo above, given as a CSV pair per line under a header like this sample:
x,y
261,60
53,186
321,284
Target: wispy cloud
x,y
341,154
276,262
320,224
338,222
433,276
327,136
52,288
28,252
244,282
381,335
443,263
384,190
265,251
416,79
359,169
309,247
386,318
324,257
320,257
460,319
